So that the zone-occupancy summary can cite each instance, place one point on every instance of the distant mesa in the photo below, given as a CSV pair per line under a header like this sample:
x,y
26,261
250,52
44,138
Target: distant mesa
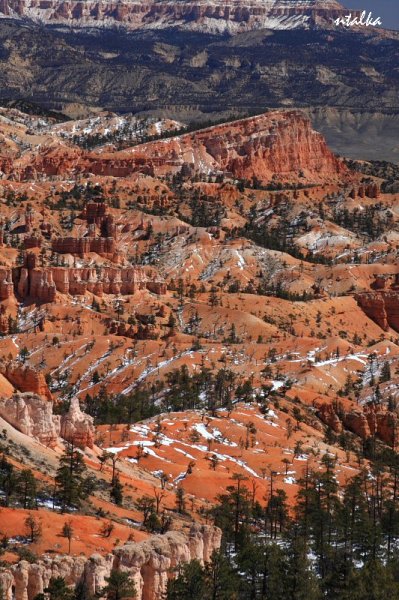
x,y
213,17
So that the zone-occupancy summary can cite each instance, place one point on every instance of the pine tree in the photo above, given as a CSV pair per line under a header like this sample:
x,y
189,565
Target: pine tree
x,y
27,489
71,479
302,582
374,581
67,532
119,586
189,584
33,528
221,583
233,512
277,513
213,297
58,590
385,372
116,491
82,591
253,565
146,505
180,500
8,479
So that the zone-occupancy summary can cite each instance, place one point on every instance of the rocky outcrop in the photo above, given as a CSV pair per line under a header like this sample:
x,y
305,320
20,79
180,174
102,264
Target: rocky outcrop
x,y
382,306
383,423
99,281
30,410
99,222
371,190
216,16
26,379
6,284
356,421
97,213
4,320
280,143
364,421
77,427
33,241
32,415
150,564
327,414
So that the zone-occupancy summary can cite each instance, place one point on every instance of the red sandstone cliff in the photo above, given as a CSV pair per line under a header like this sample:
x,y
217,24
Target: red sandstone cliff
x,y
26,379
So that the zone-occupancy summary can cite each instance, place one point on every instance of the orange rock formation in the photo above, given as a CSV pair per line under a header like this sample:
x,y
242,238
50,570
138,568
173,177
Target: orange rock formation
x,y
278,142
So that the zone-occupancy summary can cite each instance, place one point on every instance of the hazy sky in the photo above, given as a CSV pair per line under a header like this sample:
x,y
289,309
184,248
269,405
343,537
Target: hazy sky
x,y
388,10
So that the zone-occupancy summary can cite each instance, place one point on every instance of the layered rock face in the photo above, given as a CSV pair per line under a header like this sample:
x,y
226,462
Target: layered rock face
x,y
216,16
280,143
81,246
374,306
150,564
42,284
33,416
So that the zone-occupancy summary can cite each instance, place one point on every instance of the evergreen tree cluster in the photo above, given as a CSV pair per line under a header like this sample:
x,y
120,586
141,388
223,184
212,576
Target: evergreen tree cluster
x,y
371,222
335,544
181,391
73,484
119,587
17,487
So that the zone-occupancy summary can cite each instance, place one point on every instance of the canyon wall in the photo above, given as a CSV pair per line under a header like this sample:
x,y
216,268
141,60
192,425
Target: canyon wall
x,y
41,284
150,564
81,246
